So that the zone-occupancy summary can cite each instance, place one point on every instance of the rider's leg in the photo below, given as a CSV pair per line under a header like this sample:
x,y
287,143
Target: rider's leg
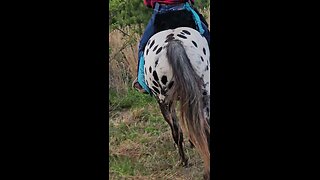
x,y
139,83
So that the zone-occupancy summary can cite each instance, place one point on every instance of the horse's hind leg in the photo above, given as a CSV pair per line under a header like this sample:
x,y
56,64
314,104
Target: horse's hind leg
x,y
170,116
179,136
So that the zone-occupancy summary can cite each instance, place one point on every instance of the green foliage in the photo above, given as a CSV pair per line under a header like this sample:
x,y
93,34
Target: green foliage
x,y
121,165
133,12
128,12
202,4
131,98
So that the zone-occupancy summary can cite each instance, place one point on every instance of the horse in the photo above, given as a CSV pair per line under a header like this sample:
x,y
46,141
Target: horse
x,y
177,71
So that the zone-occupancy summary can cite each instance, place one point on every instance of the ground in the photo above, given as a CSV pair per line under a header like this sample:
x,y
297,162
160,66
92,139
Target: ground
x,y
140,142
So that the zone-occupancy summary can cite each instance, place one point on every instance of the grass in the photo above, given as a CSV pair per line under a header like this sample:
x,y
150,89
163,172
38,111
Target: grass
x,y
130,98
141,144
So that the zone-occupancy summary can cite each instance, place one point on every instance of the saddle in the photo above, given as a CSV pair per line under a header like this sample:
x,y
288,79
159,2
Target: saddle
x,y
174,19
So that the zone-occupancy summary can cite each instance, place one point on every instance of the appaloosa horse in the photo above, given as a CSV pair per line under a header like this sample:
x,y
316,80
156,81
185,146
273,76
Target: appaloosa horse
x,y
177,71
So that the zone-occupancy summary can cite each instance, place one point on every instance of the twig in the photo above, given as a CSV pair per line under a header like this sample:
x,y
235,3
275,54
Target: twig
x,y
124,33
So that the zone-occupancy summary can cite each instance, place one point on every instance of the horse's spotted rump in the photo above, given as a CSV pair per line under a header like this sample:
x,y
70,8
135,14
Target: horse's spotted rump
x,y
160,76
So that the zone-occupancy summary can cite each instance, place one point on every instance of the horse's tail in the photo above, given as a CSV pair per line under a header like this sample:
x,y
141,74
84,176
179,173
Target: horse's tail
x,y
188,91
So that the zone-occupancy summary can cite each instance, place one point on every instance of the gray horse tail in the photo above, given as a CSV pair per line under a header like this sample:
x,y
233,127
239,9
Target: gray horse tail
x,y
187,90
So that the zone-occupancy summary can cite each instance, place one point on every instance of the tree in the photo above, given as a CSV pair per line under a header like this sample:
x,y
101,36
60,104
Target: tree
x,y
124,13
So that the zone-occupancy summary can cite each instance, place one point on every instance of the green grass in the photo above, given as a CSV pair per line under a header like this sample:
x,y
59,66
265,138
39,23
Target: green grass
x,y
131,98
141,144
122,165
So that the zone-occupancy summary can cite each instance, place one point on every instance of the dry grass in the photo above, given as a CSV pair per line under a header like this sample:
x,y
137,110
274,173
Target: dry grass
x,y
123,58
141,147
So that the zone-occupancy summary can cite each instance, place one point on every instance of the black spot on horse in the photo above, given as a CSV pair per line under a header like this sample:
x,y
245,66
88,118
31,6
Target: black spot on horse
x,y
159,50
156,63
156,89
152,43
155,75
170,85
163,91
187,32
205,85
204,51
201,58
207,68
147,51
145,71
208,110
182,33
150,69
164,80
148,42
155,48
182,36
194,43
155,83
204,93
